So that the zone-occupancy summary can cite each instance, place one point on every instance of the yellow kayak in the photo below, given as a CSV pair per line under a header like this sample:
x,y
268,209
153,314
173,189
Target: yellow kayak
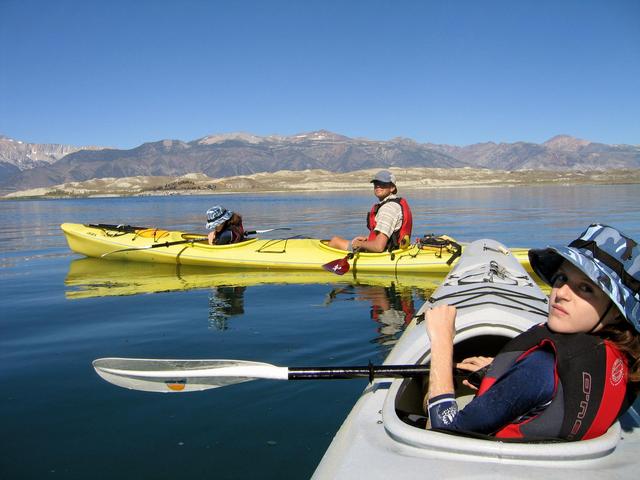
x,y
174,247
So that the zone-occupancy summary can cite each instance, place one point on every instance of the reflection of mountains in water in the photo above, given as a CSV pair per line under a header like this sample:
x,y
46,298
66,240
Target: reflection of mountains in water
x,y
92,277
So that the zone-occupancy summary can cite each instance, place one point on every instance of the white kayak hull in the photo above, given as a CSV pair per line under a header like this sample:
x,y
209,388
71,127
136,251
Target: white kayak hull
x,y
381,437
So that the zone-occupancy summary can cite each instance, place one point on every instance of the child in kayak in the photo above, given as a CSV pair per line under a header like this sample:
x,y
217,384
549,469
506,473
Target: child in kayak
x,y
569,378
389,221
225,225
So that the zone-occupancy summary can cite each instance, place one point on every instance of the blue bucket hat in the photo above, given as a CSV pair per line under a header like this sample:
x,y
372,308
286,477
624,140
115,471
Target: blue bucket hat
x,y
608,257
217,215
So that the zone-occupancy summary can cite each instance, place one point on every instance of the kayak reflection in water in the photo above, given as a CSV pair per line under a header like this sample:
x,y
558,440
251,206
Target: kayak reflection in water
x,y
569,378
389,221
225,302
225,225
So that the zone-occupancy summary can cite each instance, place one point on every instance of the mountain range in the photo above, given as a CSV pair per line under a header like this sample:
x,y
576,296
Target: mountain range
x,y
28,165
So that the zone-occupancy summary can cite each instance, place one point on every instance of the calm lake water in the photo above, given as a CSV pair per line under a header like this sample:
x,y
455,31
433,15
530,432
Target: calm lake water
x,y
59,312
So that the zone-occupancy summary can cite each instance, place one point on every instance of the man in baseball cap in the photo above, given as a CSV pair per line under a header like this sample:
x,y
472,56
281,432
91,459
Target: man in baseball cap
x,y
389,221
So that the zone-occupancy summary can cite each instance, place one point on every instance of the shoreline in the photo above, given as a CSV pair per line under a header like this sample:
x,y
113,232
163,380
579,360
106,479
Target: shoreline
x,y
312,181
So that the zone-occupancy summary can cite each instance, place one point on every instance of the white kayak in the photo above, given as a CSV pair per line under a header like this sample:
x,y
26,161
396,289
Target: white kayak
x,y
384,435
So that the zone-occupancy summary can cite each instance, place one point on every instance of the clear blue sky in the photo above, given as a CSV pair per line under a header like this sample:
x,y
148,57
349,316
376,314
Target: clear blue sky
x,y
124,72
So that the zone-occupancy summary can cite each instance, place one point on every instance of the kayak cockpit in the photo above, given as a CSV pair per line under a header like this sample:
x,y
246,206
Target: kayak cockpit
x,y
405,421
409,400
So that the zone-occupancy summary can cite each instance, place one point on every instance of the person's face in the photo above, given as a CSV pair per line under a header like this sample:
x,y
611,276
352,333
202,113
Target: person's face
x,y
576,303
382,190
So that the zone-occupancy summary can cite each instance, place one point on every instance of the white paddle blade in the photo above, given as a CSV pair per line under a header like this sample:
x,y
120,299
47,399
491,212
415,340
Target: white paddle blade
x,y
177,376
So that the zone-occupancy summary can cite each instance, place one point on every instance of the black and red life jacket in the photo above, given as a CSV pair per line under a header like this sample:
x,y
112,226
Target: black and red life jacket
x,y
590,385
237,233
399,237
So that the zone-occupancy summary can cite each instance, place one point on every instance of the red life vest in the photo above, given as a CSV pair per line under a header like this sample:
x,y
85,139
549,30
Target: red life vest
x,y
399,237
590,385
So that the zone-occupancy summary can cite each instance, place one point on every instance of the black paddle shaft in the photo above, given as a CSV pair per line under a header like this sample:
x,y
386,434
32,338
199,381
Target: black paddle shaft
x,y
368,371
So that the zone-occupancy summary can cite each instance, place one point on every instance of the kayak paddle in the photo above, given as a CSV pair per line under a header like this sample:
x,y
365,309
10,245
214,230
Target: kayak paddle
x,y
189,240
159,375
156,245
120,228
340,266
253,232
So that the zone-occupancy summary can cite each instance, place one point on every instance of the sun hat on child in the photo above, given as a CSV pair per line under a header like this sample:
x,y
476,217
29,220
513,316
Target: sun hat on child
x,y
217,215
609,258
